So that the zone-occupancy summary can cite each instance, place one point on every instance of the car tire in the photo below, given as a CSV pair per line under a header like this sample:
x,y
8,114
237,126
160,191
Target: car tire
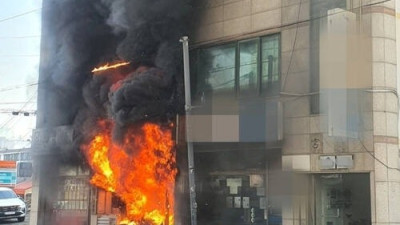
x,y
21,219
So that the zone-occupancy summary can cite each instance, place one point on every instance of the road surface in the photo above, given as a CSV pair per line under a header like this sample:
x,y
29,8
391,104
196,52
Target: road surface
x,y
15,222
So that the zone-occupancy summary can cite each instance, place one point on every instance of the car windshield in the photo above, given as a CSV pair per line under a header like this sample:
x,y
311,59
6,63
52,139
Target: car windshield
x,y
7,194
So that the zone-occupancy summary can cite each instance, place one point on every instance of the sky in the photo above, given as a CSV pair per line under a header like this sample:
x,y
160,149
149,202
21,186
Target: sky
x,y
20,22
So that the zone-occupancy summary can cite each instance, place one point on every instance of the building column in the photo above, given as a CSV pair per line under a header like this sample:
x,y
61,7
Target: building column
x,y
385,180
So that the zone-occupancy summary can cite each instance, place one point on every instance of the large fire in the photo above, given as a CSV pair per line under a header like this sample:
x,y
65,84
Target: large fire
x,y
140,171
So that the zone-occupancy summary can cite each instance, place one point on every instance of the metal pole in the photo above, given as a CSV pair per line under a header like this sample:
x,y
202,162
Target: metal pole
x,y
188,107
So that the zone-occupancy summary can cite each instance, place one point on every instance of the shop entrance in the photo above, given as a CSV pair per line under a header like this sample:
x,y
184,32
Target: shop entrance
x,y
343,199
239,187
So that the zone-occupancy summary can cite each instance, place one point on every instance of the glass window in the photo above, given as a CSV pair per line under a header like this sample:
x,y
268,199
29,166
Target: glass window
x,y
270,61
6,194
248,71
11,157
217,69
246,67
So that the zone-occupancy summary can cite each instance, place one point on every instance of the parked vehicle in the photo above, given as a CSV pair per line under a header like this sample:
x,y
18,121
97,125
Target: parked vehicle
x,y
11,206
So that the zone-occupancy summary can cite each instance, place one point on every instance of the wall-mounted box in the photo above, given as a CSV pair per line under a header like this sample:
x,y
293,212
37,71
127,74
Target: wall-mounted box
x,y
344,162
327,162
330,162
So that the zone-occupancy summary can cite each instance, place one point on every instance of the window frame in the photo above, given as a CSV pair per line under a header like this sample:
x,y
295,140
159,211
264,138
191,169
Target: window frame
x,y
259,91
238,91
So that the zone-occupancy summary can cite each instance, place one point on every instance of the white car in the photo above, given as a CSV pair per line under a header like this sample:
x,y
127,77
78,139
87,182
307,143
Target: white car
x,y
11,206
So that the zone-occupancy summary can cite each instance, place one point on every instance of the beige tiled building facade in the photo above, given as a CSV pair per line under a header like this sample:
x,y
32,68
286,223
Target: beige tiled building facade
x,y
296,112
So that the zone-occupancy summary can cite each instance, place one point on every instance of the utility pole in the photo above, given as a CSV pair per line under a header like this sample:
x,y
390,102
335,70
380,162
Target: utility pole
x,y
189,143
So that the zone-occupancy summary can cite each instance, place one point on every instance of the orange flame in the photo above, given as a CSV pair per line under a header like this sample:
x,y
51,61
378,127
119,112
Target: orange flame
x,y
140,171
108,66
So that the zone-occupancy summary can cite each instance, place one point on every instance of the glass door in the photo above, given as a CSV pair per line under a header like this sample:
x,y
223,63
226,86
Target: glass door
x,y
343,199
330,200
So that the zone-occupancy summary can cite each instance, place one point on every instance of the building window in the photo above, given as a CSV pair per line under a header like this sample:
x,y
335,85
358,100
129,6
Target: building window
x,y
248,66
239,68
270,64
216,66
25,156
11,157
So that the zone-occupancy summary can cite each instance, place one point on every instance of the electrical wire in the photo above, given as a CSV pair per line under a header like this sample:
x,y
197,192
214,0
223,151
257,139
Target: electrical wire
x,y
363,147
12,117
18,86
8,111
373,90
294,45
378,160
22,55
288,94
19,15
14,103
235,37
20,37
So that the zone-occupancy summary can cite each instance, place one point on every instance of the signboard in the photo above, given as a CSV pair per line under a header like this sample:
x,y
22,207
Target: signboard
x,y
8,173
8,164
8,177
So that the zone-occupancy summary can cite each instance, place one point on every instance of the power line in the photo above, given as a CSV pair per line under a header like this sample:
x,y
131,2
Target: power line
x,y
16,112
235,37
363,147
14,103
19,15
18,86
378,160
12,117
294,45
22,55
20,37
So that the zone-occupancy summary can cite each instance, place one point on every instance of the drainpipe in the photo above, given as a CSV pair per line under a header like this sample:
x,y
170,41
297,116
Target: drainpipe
x,y
188,108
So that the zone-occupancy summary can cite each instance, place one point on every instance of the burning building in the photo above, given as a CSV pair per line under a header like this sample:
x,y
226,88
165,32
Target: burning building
x,y
285,128
110,88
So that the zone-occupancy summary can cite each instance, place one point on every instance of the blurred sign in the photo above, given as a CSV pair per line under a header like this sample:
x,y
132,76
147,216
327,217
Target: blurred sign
x,y
256,180
8,177
233,184
8,164
327,162
246,202
344,162
237,201
8,172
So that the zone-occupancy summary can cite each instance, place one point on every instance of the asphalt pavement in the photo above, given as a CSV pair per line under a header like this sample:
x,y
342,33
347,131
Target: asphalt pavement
x,y
15,222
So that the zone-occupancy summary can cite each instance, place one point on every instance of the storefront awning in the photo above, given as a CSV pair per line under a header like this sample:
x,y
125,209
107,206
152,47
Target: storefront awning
x,y
20,188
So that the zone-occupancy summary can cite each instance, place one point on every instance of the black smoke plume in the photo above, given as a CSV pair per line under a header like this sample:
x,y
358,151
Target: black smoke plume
x,y
80,35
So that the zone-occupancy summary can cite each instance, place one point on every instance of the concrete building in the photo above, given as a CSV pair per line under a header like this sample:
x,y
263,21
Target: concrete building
x,y
296,117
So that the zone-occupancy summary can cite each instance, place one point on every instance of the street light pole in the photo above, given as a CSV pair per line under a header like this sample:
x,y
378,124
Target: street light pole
x,y
188,107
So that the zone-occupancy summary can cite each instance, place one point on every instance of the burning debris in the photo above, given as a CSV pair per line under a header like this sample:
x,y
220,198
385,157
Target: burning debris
x,y
107,66
123,113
